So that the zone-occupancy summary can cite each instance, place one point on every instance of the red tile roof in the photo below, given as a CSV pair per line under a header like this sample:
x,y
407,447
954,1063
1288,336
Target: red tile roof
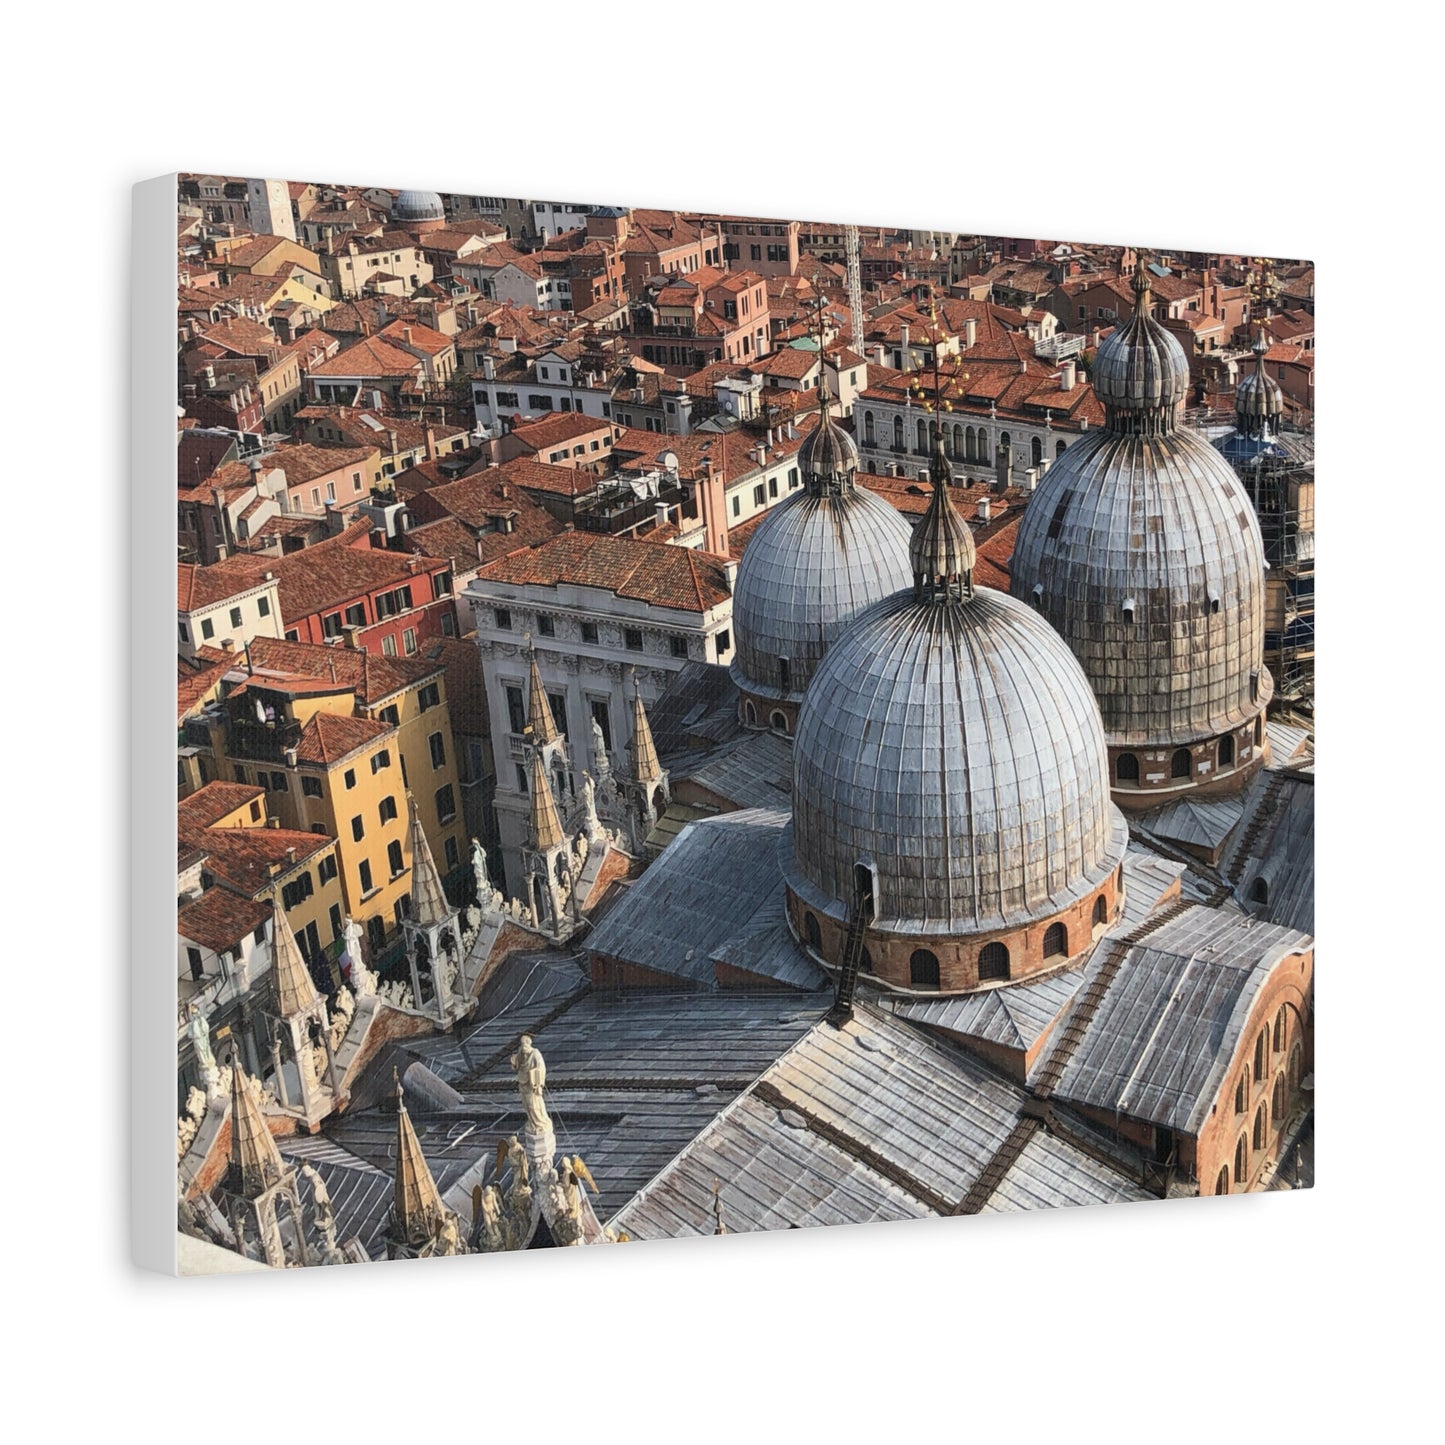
x,y
372,678
206,805
663,575
221,919
329,737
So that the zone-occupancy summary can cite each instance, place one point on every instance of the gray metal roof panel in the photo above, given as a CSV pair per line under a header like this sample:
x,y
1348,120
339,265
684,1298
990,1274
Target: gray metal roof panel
x,y
1050,1174
753,771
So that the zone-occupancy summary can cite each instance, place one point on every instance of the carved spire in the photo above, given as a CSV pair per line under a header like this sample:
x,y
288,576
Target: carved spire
x,y
295,992
256,1162
429,904
417,1210
539,710
645,765
546,824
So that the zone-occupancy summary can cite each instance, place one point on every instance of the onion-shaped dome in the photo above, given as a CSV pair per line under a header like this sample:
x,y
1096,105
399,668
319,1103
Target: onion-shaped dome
x,y
1140,372
418,206
1143,550
1258,399
814,563
951,745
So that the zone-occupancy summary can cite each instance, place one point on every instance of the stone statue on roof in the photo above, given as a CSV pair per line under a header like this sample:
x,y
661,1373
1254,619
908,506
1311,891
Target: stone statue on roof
x,y
531,1071
198,1030
362,980
480,874
599,750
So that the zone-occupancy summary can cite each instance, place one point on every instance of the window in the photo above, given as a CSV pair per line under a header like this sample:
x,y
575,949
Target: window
x,y
311,787
450,849
263,606
185,634
387,809
429,697
993,961
1280,1025
792,479
898,434
364,871
408,640
759,495
504,619
1259,891
208,629
394,860
388,645
1241,1093
1277,1099
1056,941
1226,751
923,970
241,775
516,713
869,438
193,957
812,932
235,617
778,721
331,625
446,804
724,641
356,615
1260,1056
598,708
737,512
678,646
1126,769
546,626
1241,1160
379,760
449,625
1179,764
589,632
278,783
391,717
441,585
349,778
521,778
1261,1126
437,744
326,869
258,934
296,891
632,638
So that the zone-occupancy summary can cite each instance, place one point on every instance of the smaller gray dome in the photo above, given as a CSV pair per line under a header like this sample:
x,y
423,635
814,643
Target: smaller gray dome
x,y
828,457
418,206
1258,399
1140,372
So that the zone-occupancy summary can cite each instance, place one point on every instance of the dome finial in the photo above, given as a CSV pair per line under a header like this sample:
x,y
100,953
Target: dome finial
x,y
941,549
1142,284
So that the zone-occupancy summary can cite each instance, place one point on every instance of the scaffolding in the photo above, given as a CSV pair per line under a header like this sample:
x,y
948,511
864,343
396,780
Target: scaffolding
x,y
1277,468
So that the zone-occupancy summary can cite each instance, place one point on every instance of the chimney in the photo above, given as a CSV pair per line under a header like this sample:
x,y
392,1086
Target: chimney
x,y
970,331
291,855
984,509
1031,479
1067,376
391,439
228,644
274,868
903,345
770,438
661,517
489,369
353,637
712,496
290,757
431,444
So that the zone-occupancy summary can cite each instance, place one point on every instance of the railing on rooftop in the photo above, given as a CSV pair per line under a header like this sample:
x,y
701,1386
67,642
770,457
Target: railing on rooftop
x,y
249,738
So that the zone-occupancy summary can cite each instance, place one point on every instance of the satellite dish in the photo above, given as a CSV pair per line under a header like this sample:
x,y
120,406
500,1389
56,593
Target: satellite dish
x,y
668,460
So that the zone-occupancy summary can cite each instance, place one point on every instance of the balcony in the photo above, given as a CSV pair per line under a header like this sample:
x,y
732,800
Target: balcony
x,y
252,740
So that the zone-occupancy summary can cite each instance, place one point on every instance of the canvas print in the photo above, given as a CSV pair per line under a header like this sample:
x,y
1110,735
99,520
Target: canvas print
x,y
690,723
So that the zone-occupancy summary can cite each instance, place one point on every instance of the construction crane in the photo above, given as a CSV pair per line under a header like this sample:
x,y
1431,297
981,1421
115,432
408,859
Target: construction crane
x,y
855,287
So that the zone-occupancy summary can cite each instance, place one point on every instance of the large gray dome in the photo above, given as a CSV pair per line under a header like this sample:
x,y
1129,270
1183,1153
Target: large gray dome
x,y
1143,550
418,206
813,564
955,748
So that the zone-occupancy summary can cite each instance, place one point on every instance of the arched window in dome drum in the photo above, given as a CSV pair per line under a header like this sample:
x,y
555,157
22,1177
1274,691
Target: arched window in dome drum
x,y
1126,769
1101,910
866,963
1226,751
812,932
993,961
898,433
1277,1101
1280,1020
863,886
750,714
1259,891
1241,1160
1259,732
1037,449
778,721
1056,941
1179,764
869,436
785,674
1261,1126
923,968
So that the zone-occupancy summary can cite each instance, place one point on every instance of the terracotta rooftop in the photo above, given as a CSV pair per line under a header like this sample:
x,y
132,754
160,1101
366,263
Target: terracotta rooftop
x,y
206,586
372,678
371,356
653,572
204,807
559,427
329,737
221,919
241,858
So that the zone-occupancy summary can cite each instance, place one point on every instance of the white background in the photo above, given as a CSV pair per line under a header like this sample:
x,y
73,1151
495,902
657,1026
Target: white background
x,y
1262,128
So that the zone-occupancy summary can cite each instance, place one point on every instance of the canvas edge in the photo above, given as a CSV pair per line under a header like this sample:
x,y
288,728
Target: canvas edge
x,y
152,742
